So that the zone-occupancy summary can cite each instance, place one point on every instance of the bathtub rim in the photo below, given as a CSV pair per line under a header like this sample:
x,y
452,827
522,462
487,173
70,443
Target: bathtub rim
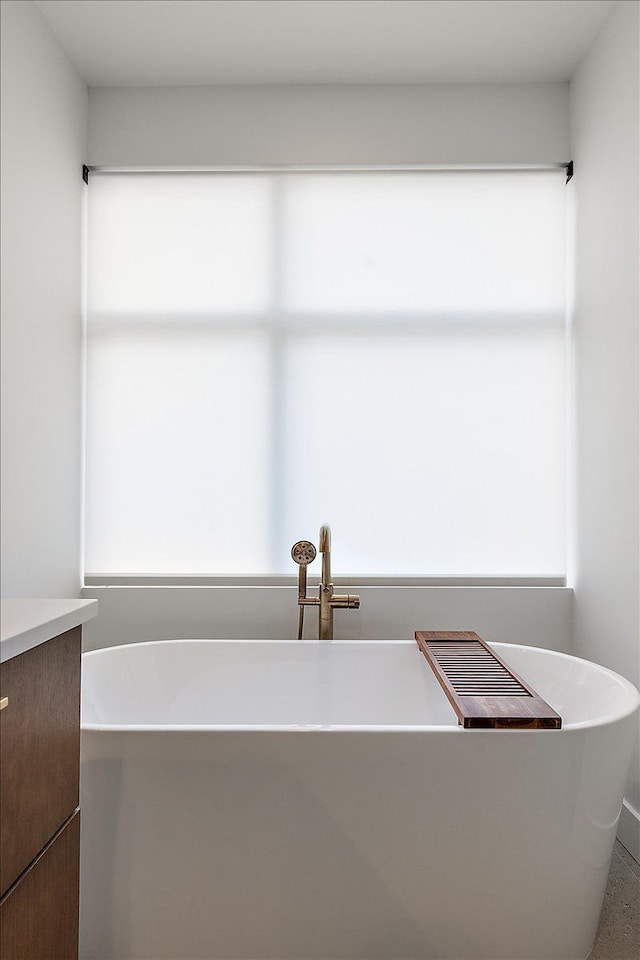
x,y
630,706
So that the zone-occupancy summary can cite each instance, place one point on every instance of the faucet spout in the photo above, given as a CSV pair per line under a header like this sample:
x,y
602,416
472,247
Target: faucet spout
x,y
325,550
325,626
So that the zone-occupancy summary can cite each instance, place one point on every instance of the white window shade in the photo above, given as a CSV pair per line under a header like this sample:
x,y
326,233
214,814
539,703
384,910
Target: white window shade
x,y
382,351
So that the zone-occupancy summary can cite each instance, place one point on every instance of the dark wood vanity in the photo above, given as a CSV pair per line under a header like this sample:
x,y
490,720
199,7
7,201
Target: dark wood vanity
x,y
39,800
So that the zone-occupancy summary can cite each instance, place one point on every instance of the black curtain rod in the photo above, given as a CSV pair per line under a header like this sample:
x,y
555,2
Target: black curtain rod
x,y
334,168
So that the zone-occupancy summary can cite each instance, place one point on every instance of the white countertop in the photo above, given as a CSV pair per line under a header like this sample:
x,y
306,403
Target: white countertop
x,y
26,623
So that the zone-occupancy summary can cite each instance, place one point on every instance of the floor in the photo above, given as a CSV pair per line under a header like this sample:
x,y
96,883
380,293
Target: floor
x,y
619,931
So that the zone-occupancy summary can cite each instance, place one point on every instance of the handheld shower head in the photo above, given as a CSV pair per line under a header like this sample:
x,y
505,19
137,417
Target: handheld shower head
x,y
303,552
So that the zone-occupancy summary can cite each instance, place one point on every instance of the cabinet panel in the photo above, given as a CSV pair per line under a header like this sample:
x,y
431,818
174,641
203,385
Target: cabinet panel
x,y
40,731
39,915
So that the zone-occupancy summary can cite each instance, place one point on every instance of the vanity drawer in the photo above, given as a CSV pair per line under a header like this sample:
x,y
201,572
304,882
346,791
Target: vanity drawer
x,y
39,760
39,915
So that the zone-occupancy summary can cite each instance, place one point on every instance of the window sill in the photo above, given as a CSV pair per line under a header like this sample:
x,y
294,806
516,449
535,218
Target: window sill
x,y
194,580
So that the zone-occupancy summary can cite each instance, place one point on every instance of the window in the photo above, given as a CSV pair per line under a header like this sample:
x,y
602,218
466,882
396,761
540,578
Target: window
x,y
382,350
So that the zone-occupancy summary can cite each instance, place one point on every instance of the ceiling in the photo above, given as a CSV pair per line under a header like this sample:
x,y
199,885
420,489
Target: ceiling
x,y
192,42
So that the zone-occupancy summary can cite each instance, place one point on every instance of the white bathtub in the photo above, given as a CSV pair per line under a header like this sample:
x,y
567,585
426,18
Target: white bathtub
x,y
260,800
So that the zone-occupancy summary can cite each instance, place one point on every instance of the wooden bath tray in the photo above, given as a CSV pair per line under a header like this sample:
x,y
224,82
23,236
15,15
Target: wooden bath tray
x,y
482,689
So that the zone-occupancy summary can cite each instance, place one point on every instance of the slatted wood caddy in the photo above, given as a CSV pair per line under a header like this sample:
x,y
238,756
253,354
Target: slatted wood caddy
x,y
482,689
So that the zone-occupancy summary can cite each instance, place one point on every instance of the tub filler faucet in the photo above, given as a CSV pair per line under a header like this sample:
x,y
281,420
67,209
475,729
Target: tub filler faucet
x,y
304,552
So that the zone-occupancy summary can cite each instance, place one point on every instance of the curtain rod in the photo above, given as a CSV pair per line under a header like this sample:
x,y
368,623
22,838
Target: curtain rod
x,y
332,168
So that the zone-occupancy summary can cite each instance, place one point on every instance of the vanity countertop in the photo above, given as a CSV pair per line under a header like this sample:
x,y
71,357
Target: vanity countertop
x,y
25,623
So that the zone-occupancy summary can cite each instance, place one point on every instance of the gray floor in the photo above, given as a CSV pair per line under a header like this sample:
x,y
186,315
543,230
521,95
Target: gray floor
x,y
619,931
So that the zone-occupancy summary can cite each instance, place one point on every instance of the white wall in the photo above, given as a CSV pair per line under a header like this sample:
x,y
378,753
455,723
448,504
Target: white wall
x,y
44,108
540,616
604,134
423,124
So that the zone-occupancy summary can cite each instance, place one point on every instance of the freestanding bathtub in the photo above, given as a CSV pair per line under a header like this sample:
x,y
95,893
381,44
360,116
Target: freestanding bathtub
x,y
317,801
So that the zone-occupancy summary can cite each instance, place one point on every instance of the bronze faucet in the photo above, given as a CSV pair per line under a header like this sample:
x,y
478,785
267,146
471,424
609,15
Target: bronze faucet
x,y
304,552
